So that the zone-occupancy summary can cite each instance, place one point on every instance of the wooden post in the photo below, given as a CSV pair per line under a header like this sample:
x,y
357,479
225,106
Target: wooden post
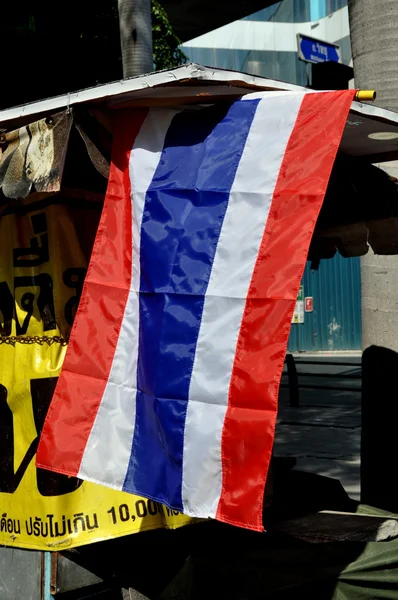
x,y
379,448
294,397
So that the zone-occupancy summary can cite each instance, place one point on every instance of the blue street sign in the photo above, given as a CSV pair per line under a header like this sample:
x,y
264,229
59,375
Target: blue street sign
x,y
316,51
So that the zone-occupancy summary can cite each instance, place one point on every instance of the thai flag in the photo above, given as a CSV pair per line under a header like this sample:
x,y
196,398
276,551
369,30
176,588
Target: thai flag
x,y
170,383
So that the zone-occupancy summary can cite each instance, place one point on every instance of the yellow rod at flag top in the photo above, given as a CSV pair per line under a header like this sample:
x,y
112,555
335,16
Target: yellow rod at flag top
x,y
365,95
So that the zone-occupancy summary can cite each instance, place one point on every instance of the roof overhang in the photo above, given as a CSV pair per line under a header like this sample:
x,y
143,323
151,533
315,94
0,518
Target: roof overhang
x,y
195,84
360,207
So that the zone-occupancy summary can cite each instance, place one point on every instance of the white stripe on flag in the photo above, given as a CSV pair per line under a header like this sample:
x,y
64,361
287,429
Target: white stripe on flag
x,y
236,253
115,420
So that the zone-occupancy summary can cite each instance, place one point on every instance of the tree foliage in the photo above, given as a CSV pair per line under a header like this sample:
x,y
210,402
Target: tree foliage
x,y
166,51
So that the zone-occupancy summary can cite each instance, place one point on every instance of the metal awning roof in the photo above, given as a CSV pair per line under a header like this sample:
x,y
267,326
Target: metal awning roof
x,y
196,84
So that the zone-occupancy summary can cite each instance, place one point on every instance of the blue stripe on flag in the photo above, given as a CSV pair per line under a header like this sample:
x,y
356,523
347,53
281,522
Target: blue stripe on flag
x,y
183,214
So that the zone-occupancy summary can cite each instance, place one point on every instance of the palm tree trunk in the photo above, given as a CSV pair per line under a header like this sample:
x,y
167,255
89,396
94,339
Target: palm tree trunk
x,y
136,36
374,39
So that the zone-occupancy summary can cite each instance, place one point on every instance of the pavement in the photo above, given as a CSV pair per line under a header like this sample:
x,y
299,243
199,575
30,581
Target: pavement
x,y
323,433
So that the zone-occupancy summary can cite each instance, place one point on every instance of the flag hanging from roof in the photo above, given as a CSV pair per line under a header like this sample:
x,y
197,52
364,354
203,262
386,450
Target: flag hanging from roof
x,y
170,383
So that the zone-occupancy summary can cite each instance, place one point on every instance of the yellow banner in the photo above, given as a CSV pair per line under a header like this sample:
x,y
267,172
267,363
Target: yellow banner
x,y
45,243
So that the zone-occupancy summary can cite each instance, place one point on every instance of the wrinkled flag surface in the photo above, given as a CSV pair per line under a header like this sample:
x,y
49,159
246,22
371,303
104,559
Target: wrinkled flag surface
x,y
170,383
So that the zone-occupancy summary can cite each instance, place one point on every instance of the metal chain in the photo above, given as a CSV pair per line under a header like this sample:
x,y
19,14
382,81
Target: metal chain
x,y
11,340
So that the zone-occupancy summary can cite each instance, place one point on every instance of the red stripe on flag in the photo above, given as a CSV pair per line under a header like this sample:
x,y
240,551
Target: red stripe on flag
x,y
249,425
98,320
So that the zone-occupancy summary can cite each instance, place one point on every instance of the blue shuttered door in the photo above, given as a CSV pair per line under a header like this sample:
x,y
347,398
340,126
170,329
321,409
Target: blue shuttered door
x,y
335,323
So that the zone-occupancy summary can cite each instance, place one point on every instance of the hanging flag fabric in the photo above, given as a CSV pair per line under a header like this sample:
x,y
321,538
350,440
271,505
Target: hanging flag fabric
x,y
170,383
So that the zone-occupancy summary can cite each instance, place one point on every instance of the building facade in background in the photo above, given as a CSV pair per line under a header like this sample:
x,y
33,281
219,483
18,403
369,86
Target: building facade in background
x,y
265,44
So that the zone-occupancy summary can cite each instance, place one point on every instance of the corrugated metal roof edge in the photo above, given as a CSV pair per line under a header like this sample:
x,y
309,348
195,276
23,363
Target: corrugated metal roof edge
x,y
177,75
